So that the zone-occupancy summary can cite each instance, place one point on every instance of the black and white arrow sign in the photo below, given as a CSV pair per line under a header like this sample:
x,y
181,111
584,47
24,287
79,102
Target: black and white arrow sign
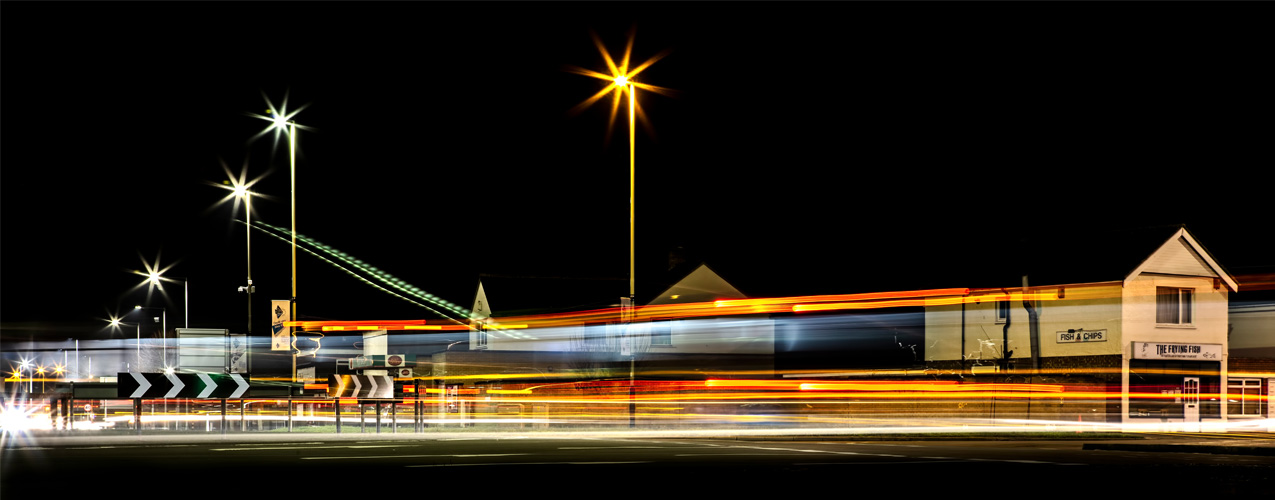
x,y
181,385
360,386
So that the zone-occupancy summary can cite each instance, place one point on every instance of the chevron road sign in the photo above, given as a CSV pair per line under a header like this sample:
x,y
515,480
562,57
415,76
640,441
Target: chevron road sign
x,y
360,386
181,385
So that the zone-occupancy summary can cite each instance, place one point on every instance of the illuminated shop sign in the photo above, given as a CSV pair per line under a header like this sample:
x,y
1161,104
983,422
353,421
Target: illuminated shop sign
x,y
1082,335
1177,350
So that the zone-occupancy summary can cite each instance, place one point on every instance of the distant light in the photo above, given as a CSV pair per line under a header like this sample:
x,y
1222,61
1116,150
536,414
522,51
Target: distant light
x,y
621,81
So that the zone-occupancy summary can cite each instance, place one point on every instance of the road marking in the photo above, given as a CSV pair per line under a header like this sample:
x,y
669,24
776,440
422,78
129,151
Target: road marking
x,y
265,448
533,463
741,454
616,447
414,456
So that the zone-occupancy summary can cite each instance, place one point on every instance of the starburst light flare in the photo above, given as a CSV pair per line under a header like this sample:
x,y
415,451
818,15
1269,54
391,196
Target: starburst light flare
x,y
281,120
622,85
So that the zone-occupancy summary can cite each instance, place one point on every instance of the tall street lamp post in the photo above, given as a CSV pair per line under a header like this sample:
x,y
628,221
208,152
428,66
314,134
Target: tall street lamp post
x,y
623,87
156,278
116,323
163,332
281,122
242,192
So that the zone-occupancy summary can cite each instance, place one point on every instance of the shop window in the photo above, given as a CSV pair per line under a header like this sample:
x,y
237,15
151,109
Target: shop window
x,y
1155,387
1243,397
1173,306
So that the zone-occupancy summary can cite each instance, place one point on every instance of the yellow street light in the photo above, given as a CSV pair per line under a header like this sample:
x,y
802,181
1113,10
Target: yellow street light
x,y
623,86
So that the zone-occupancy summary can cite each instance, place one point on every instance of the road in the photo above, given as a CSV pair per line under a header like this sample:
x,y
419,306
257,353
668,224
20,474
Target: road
x,y
514,466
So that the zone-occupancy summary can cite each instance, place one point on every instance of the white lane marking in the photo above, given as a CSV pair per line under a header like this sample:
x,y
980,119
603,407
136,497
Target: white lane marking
x,y
881,463
263,448
533,463
740,454
830,452
617,447
415,456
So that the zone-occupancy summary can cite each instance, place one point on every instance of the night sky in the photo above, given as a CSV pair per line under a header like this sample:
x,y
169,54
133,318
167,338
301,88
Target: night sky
x,y
809,148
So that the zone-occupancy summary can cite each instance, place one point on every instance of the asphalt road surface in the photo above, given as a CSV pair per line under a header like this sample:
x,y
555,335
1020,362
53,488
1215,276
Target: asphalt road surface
x,y
515,467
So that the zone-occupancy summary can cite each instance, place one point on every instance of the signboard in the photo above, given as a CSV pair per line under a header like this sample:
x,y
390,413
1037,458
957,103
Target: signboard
x,y
1082,335
360,386
238,353
403,373
394,361
280,334
307,375
1177,350
202,349
181,385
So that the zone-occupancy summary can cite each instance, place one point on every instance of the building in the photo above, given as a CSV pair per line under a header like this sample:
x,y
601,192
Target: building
x,y
1141,314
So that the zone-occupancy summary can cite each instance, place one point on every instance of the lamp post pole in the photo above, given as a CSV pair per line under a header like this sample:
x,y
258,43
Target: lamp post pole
x,y
163,333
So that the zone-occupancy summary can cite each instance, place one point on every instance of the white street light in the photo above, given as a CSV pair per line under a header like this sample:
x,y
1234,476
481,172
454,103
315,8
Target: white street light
x,y
163,333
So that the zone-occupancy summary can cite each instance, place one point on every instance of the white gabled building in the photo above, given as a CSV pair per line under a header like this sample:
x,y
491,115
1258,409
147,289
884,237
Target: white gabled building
x,y
1152,327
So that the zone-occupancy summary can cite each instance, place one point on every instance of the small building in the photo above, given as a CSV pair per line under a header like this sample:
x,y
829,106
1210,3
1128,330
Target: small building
x,y
1141,314
595,344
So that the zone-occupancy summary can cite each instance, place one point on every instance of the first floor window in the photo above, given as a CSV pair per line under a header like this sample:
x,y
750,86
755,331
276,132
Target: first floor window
x,y
1173,305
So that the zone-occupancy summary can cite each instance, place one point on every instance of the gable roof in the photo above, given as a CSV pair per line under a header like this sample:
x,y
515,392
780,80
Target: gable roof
x,y
1061,257
701,285
1182,254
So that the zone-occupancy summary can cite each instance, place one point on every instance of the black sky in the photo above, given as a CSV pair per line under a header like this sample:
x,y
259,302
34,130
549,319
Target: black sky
x,y
810,148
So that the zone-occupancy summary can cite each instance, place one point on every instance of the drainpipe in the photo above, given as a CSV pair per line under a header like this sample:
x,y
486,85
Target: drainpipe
x,y
1033,321
1005,352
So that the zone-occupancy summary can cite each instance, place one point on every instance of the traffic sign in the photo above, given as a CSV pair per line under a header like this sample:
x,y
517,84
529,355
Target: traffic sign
x,y
181,385
360,386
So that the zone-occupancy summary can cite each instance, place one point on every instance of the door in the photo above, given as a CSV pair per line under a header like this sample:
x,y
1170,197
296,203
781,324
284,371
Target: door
x,y
1191,404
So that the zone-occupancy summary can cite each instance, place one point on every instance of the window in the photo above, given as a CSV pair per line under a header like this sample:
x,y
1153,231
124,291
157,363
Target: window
x,y
662,332
1002,311
480,335
1155,387
1173,305
1243,397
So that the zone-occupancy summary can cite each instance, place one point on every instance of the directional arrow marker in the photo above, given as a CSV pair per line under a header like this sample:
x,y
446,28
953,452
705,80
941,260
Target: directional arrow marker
x,y
182,385
360,386
138,387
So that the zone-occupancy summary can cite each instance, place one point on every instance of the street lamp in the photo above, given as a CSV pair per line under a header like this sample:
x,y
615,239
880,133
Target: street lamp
x,y
624,87
281,122
155,277
116,323
24,364
163,327
242,192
